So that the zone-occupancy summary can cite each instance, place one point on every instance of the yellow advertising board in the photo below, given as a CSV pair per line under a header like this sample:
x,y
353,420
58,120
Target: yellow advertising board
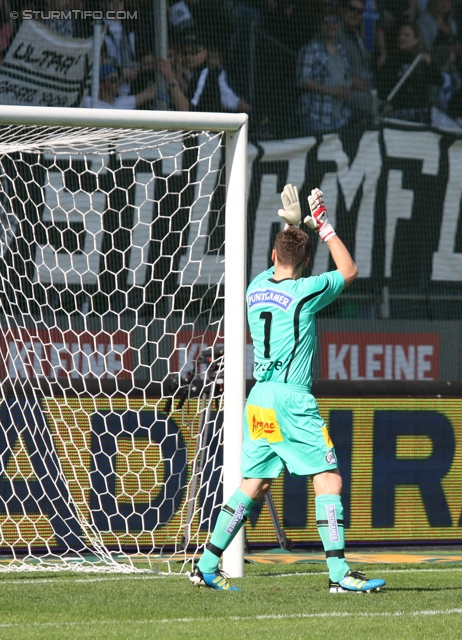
x,y
122,466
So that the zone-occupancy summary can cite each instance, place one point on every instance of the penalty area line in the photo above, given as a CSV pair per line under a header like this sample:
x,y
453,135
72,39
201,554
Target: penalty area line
x,y
326,573
293,616
57,579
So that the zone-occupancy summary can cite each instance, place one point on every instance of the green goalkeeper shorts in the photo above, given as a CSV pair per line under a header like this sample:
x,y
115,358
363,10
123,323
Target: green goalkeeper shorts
x,y
283,427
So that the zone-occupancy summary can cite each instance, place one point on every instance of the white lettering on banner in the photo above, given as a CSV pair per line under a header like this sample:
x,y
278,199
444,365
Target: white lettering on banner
x,y
196,266
171,156
30,359
76,359
380,362
25,359
404,363
106,359
141,231
293,151
337,369
53,353
354,363
388,362
419,145
65,207
415,145
447,265
399,206
364,172
424,355
331,147
354,182
373,365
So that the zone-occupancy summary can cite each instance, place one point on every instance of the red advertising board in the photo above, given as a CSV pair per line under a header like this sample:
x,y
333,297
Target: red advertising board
x,y
187,346
379,356
52,353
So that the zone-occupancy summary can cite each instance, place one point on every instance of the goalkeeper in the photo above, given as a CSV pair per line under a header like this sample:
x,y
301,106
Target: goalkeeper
x,y
282,424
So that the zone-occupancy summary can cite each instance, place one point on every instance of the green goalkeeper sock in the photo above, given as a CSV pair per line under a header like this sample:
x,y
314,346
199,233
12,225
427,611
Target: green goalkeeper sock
x,y
329,519
230,520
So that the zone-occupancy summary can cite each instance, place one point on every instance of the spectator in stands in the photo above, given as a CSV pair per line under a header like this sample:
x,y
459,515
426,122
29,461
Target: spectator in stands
x,y
275,55
176,59
212,91
208,88
454,108
180,16
63,26
176,85
374,30
440,37
324,78
206,16
143,29
245,47
362,77
437,24
394,14
412,101
6,28
145,78
69,27
109,88
119,44
400,11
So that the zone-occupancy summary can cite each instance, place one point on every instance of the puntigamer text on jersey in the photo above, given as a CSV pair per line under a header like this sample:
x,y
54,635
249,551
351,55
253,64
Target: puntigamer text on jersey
x,y
270,296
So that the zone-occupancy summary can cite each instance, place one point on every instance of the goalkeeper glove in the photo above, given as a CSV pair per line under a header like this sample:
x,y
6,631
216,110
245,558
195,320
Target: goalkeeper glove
x,y
318,218
291,212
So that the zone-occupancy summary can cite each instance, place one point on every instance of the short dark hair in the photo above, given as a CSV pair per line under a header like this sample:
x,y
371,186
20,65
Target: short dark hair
x,y
292,247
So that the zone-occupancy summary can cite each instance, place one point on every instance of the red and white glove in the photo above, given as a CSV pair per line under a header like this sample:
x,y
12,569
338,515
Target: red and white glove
x,y
291,212
318,218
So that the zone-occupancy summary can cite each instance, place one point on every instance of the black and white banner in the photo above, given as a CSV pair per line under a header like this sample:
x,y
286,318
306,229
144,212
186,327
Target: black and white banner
x,y
42,68
393,195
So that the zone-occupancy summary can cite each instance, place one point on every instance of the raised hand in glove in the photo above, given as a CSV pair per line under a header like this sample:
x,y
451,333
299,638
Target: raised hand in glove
x,y
318,218
291,212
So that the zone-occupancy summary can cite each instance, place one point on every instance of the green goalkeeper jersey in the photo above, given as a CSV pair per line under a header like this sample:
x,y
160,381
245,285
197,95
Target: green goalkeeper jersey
x,y
282,323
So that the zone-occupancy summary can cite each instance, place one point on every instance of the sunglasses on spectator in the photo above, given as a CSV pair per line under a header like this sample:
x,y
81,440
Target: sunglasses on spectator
x,y
193,51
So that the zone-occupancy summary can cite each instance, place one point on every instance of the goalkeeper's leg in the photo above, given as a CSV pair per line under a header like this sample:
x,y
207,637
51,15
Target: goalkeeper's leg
x,y
330,523
230,521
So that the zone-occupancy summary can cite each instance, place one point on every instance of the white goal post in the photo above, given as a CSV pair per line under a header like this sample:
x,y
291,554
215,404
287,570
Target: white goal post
x,y
21,134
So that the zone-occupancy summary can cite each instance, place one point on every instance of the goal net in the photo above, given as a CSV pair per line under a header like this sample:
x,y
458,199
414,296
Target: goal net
x,y
119,432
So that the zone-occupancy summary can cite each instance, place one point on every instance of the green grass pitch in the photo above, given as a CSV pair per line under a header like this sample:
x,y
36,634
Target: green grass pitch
x,y
419,602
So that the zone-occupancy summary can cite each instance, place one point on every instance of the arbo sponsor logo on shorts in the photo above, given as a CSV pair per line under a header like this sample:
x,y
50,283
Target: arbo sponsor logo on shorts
x,y
263,424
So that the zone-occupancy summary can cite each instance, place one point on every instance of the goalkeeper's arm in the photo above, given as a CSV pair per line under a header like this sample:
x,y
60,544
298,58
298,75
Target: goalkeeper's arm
x,y
343,260
319,222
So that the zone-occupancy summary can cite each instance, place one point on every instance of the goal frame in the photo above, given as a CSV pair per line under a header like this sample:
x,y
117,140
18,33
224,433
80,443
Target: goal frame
x,y
235,127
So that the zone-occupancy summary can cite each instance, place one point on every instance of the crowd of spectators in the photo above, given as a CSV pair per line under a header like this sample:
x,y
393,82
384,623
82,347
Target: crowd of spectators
x,y
297,67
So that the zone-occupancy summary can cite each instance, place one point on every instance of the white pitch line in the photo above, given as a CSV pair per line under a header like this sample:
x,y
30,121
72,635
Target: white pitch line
x,y
57,580
293,616
325,573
